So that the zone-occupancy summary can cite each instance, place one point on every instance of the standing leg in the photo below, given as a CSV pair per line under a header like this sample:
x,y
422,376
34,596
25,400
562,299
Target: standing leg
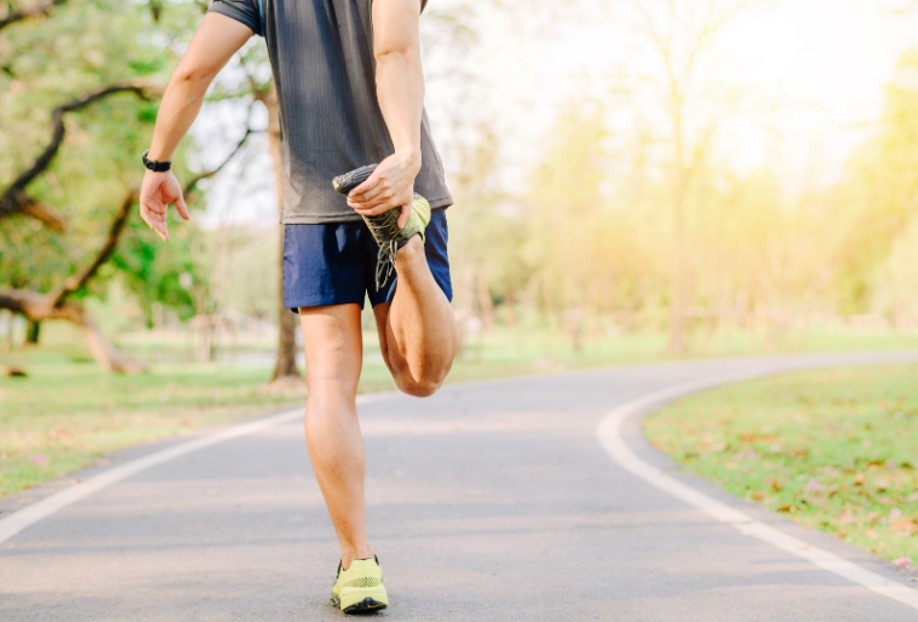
x,y
417,330
333,344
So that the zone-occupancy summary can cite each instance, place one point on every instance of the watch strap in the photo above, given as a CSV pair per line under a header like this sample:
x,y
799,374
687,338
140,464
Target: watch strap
x,y
155,165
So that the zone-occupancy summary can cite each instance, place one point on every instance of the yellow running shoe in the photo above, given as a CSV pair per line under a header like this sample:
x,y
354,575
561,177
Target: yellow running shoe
x,y
359,589
384,227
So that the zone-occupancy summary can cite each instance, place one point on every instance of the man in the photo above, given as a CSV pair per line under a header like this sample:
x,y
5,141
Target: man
x,y
350,89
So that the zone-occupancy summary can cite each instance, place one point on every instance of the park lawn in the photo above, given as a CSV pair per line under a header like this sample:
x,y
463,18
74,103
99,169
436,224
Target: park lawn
x,y
68,413
836,450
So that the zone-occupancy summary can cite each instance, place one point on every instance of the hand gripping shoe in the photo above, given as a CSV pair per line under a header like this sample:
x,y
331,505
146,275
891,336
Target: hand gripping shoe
x,y
384,227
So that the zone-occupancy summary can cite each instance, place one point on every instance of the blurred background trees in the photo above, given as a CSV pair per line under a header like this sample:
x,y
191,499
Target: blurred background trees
x,y
72,133
615,197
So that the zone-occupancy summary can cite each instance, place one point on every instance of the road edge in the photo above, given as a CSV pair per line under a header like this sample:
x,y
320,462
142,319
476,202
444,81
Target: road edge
x,y
610,435
21,519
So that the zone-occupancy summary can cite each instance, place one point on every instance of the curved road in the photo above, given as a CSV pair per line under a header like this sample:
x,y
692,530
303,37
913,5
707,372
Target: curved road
x,y
492,501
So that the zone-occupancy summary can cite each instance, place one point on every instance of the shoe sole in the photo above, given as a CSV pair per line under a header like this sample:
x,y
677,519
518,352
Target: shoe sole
x,y
346,182
367,605
364,601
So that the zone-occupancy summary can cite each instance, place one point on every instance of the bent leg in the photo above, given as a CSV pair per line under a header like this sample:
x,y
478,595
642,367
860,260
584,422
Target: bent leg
x,y
333,344
417,330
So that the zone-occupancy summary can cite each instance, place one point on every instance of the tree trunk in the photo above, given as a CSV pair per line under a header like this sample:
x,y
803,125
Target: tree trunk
x,y
33,333
678,277
36,308
10,327
510,304
105,354
286,339
679,268
285,365
485,303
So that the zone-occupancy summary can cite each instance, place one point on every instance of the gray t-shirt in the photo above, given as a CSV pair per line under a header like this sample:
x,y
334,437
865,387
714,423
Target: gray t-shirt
x,y
321,55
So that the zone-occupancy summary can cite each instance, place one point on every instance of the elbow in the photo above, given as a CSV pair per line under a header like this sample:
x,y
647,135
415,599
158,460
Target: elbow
x,y
190,76
401,54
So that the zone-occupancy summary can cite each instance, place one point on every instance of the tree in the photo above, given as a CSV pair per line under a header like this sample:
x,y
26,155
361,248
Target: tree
x,y
679,35
874,208
285,361
879,192
50,211
592,237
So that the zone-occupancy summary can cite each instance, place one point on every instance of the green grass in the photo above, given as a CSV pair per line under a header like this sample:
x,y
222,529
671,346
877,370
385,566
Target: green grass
x,y
65,415
836,449
68,413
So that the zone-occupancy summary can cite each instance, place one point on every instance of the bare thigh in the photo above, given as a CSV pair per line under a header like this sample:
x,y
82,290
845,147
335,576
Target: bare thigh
x,y
333,344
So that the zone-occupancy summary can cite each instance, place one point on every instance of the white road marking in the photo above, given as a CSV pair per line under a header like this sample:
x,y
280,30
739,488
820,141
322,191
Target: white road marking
x,y
29,515
609,434
610,437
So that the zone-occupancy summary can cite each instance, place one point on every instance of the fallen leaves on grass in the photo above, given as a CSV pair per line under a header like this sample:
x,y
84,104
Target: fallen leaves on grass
x,y
829,449
814,486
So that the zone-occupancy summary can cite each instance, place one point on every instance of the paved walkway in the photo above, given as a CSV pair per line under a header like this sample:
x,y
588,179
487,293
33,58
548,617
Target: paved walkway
x,y
487,502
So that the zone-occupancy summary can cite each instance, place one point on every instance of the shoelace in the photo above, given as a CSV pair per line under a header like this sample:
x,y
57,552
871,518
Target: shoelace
x,y
385,263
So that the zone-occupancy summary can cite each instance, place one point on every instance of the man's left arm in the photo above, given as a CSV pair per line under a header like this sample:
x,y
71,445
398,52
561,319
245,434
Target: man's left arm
x,y
216,40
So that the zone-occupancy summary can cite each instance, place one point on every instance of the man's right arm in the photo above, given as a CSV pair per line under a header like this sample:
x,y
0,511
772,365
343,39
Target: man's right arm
x,y
400,91
214,43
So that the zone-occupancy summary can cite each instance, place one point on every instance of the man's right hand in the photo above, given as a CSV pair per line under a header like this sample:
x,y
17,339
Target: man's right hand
x,y
159,190
391,185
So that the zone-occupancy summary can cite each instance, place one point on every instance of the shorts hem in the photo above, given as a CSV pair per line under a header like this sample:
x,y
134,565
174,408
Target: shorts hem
x,y
323,302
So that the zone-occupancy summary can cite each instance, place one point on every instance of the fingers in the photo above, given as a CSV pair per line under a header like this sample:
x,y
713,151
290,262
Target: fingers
x,y
155,219
403,216
375,195
390,185
153,211
367,190
371,208
181,207
158,192
374,208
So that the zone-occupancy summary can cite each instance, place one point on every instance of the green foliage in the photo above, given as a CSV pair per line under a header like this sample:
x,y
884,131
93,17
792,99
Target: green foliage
x,y
593,233
78,49
879,197
153,273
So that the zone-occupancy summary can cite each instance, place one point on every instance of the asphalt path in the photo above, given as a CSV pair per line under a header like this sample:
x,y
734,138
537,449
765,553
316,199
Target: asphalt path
x,y
489,501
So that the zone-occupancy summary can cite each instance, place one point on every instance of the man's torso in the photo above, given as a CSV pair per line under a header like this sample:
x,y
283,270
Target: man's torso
x,y
321,55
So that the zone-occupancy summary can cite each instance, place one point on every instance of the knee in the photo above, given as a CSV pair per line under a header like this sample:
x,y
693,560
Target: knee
x,y
423,387
334,393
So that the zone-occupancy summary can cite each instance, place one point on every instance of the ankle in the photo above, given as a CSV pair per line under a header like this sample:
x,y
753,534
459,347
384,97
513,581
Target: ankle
x,y
413,250
359,553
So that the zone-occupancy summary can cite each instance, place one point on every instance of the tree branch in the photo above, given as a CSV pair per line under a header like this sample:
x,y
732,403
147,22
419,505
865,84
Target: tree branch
x,y
77,281
39,308
208,174
36,10
14,200
18,202
80,279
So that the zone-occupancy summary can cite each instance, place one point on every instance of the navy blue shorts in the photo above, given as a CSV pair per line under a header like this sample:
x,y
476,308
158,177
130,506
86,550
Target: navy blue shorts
x,y
335,264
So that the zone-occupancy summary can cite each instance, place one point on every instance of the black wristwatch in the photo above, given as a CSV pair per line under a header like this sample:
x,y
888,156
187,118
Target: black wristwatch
x,y
155,166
